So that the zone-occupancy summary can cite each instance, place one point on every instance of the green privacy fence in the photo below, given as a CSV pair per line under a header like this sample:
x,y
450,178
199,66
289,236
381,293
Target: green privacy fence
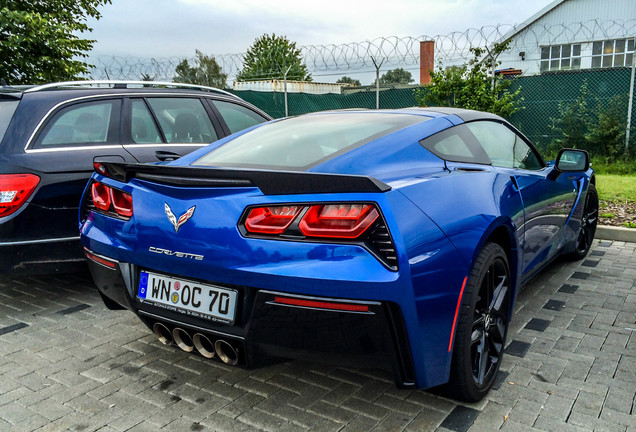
x,y
607,94
546,100
273,103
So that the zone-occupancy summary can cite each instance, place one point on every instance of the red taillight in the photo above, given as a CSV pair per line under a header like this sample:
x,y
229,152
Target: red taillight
x,y
101,196
271,220
111,200
338,220
122,202
15,189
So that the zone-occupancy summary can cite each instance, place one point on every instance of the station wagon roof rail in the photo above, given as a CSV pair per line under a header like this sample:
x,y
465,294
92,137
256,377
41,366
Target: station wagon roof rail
x,y
126,84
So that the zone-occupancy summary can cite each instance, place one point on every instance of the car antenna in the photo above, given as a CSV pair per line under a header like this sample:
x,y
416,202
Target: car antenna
x,y
446,166
4,83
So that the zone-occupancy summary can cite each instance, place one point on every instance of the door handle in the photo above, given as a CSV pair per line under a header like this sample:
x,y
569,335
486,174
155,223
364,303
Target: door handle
x,y
166,155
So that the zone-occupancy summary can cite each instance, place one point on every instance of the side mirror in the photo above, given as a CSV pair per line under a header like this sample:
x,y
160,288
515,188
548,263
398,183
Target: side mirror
x,y
573,160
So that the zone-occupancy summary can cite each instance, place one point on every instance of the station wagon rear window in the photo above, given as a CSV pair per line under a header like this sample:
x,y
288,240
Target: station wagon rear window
x,y
302,142
7,108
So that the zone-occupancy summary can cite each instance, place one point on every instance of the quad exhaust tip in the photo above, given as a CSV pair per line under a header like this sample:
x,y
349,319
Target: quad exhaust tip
x,y
182,339
226,352
162,333
204,346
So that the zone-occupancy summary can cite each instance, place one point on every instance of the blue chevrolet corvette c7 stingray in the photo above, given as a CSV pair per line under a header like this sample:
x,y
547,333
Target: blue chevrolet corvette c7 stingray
x,y
390,238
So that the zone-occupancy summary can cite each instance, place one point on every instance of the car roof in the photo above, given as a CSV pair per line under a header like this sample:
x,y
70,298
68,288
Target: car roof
x,y
435,112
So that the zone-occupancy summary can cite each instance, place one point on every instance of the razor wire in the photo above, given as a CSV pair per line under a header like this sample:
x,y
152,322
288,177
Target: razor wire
x,y
322,60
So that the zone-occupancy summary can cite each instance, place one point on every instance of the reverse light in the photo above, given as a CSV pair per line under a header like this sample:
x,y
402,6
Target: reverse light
x,y
338,220
15,189
271,220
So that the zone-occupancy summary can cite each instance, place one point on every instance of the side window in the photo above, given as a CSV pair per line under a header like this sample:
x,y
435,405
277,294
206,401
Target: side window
x,y
504,147
143,129
456,144
87,123
497,140
183,120
525,157
238,117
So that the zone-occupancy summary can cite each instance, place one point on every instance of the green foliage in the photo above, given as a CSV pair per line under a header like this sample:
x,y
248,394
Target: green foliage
x,y
205,71
600,131
472,85
39,39
624,165
616,188
571,125
396,76
606,135
349,80
270,57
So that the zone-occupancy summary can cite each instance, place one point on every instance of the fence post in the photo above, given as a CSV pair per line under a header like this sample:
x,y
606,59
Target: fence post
x,y
285,84
630,103
377,82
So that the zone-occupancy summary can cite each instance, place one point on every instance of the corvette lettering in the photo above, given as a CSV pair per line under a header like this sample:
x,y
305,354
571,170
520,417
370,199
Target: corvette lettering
x,y
175,253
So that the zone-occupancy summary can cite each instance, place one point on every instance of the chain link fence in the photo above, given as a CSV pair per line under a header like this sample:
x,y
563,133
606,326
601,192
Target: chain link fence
x,y
575,80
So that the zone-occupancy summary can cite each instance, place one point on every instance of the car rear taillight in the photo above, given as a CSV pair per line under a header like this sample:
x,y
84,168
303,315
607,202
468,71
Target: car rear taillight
x,y
111,201
15,189
271,220
101,196
338,220
354,223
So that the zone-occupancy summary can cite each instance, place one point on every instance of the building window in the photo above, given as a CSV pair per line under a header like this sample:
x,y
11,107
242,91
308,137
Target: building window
x,y
560,57
612,53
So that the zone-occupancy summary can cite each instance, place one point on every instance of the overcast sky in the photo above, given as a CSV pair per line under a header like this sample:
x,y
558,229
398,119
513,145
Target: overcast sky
x,y
165,28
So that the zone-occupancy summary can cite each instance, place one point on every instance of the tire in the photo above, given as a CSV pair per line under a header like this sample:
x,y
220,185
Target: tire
x,y
589,219
482,326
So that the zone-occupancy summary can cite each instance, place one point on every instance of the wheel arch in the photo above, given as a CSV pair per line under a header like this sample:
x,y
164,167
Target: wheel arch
x,y
503,233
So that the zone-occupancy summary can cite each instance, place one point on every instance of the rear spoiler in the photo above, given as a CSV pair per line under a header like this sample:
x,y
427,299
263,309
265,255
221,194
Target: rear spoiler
x,y
268,181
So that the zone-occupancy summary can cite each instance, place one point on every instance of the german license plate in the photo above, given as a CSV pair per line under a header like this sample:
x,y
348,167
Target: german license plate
x,y
188,297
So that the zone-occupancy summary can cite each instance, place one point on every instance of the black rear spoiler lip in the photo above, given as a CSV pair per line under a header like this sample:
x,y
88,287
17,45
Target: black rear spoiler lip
x,y
270,182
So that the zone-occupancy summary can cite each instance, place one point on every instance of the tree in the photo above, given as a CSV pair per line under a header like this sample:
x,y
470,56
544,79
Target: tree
x,y
472,85
349,80
205,71
396,76
270,57
39,39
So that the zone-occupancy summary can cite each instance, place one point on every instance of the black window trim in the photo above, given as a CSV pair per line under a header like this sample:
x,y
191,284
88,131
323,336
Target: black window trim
x,y
126,123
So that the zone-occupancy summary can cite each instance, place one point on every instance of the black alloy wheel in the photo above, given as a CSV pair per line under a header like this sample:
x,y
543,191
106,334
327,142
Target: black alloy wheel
x,y
482,326
589,219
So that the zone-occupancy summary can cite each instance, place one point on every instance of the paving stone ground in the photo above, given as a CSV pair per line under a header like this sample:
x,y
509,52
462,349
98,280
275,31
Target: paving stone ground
x,y
68,363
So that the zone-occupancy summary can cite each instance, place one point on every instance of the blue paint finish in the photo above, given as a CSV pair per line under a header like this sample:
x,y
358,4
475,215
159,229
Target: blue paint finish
x,y
439,216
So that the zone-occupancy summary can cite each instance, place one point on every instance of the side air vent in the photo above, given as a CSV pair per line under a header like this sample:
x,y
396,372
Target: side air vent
x,y
380,242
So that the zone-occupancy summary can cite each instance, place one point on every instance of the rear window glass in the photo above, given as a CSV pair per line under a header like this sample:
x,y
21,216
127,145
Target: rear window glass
x,y
7,108
301,142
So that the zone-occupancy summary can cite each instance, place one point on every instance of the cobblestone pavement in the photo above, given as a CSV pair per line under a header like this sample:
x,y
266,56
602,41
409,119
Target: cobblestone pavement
x,y
67,363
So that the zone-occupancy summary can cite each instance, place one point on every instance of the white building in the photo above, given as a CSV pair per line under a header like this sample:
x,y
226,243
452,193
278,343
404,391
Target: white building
x,y
573,34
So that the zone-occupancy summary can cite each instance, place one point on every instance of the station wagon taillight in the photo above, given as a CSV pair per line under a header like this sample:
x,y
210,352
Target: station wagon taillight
x,y
15,189
111,200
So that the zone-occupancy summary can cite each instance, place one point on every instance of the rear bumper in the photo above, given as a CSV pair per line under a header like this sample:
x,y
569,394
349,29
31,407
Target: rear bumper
x,y
265,328
62,255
